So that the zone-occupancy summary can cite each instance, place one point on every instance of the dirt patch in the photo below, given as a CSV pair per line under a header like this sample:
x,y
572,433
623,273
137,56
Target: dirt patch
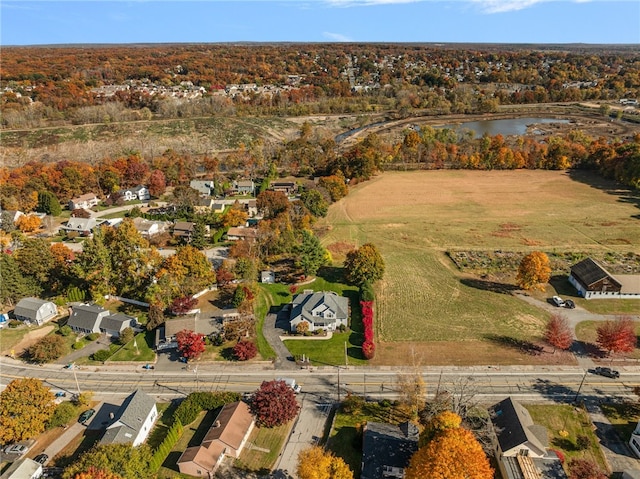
x,y
30,339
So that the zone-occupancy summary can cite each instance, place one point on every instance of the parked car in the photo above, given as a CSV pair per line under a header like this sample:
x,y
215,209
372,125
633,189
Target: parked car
x,y
607,372
16,449
41,458
558,301
85,416
568,303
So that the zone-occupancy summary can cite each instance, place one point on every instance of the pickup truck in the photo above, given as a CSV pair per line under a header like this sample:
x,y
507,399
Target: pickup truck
x,y
291,383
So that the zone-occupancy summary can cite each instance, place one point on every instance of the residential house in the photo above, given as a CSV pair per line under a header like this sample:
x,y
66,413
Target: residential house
x,y
592,281
149,228
252,208
23,468
127,195
35,310
142,193
521,445
86,318
167,331
133,421
86,201
226,437
82,226
244,187
204,187
139,192
634,442
218,208
287,187
387,449
237,233
322,310
183,229
204,205
114,324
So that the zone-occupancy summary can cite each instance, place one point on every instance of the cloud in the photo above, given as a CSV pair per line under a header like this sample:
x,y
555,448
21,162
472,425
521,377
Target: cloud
x,y
502,6
336,37
365,3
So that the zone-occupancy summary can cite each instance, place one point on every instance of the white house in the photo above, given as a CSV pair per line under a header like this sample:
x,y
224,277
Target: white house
x,y
83,226
593,281
321,310
142,193
133,421
35,310
85,201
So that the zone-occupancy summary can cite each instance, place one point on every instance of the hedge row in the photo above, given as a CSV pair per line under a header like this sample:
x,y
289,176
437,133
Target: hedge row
x,y
159,455
366,306
190,407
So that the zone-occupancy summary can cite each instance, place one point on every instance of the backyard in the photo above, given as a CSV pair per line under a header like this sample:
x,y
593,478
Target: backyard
x,y
415,217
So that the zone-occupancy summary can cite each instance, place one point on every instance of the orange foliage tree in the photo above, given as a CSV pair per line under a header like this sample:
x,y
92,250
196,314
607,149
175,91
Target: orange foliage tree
x,y
28,223
534,270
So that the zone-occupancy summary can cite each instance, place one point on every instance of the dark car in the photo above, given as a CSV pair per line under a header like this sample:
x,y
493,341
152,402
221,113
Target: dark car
x,y
568,303
607,372
41,458
85,416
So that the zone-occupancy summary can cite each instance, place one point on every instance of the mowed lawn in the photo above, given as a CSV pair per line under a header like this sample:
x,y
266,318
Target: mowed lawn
x,y
415,217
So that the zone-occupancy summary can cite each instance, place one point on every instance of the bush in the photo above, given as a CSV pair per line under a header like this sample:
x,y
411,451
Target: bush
x,y
244,350
583,442
66,330
77,345
92,336
14,323
47,349
101,355
368,349
159,455
217,339
366,292
126,335
189,408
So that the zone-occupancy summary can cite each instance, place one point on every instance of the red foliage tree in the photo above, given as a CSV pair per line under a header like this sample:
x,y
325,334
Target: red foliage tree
x,y
224,276
183,304
190,344
274,404
617,336
558,333
293,288
157,183
244,350
585,469
368,349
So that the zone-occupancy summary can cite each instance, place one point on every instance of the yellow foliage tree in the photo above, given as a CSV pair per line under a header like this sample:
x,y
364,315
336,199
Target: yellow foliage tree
x,y
443,421
28,223
316,463
453,454
534,270
25,407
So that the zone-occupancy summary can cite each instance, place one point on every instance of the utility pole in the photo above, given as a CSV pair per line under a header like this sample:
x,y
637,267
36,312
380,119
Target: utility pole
x,y
575,399
339,383
346,360
438,388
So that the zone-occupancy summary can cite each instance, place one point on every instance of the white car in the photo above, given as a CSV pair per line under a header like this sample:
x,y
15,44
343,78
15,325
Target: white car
x,y
16,449
558,301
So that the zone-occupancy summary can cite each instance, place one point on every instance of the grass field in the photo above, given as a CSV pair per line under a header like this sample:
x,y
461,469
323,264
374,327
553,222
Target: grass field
x,y
414,217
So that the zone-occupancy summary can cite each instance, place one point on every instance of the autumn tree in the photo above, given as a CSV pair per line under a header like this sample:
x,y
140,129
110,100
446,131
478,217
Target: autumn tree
x,y
245,350
272,203
274,404
190,344
585,469
183,304
155,317
28,223
157,183
438,424
558,333
47,349
126,335
302,327
25,407
316,463
534,270
364,264
234,217
95,473
454,453
120,459
617,336
412,391
315,202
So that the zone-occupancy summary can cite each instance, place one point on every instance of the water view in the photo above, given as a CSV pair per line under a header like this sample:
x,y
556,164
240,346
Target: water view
x,y
510,126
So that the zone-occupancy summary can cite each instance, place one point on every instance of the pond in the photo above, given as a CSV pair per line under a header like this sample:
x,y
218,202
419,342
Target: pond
x,y
511,126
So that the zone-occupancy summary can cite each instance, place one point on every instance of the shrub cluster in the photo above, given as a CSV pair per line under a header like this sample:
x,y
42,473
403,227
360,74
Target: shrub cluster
x,y
159,455
189,409
368,346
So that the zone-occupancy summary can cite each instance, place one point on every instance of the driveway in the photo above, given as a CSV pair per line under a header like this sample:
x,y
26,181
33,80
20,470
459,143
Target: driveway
x,y
274,327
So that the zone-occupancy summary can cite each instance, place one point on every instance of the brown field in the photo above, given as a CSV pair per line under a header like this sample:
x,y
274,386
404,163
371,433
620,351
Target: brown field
x,y
414,217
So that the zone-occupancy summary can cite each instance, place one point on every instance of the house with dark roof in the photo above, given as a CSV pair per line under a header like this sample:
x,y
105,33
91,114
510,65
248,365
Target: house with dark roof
x,y
244,187
83,226
133,421
236,233
166,332
86,318
521,445
322,310
114,324
183,229
226,437
593,281
35,310
287,187
387,449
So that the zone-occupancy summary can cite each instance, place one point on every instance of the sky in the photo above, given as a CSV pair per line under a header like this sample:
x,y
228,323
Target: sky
x,y
26,22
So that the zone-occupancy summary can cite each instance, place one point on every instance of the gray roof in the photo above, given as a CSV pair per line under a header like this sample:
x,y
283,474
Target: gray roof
x,y
28,307
115,322
305,303
514,426
387,445
129,419
86,316
81,224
